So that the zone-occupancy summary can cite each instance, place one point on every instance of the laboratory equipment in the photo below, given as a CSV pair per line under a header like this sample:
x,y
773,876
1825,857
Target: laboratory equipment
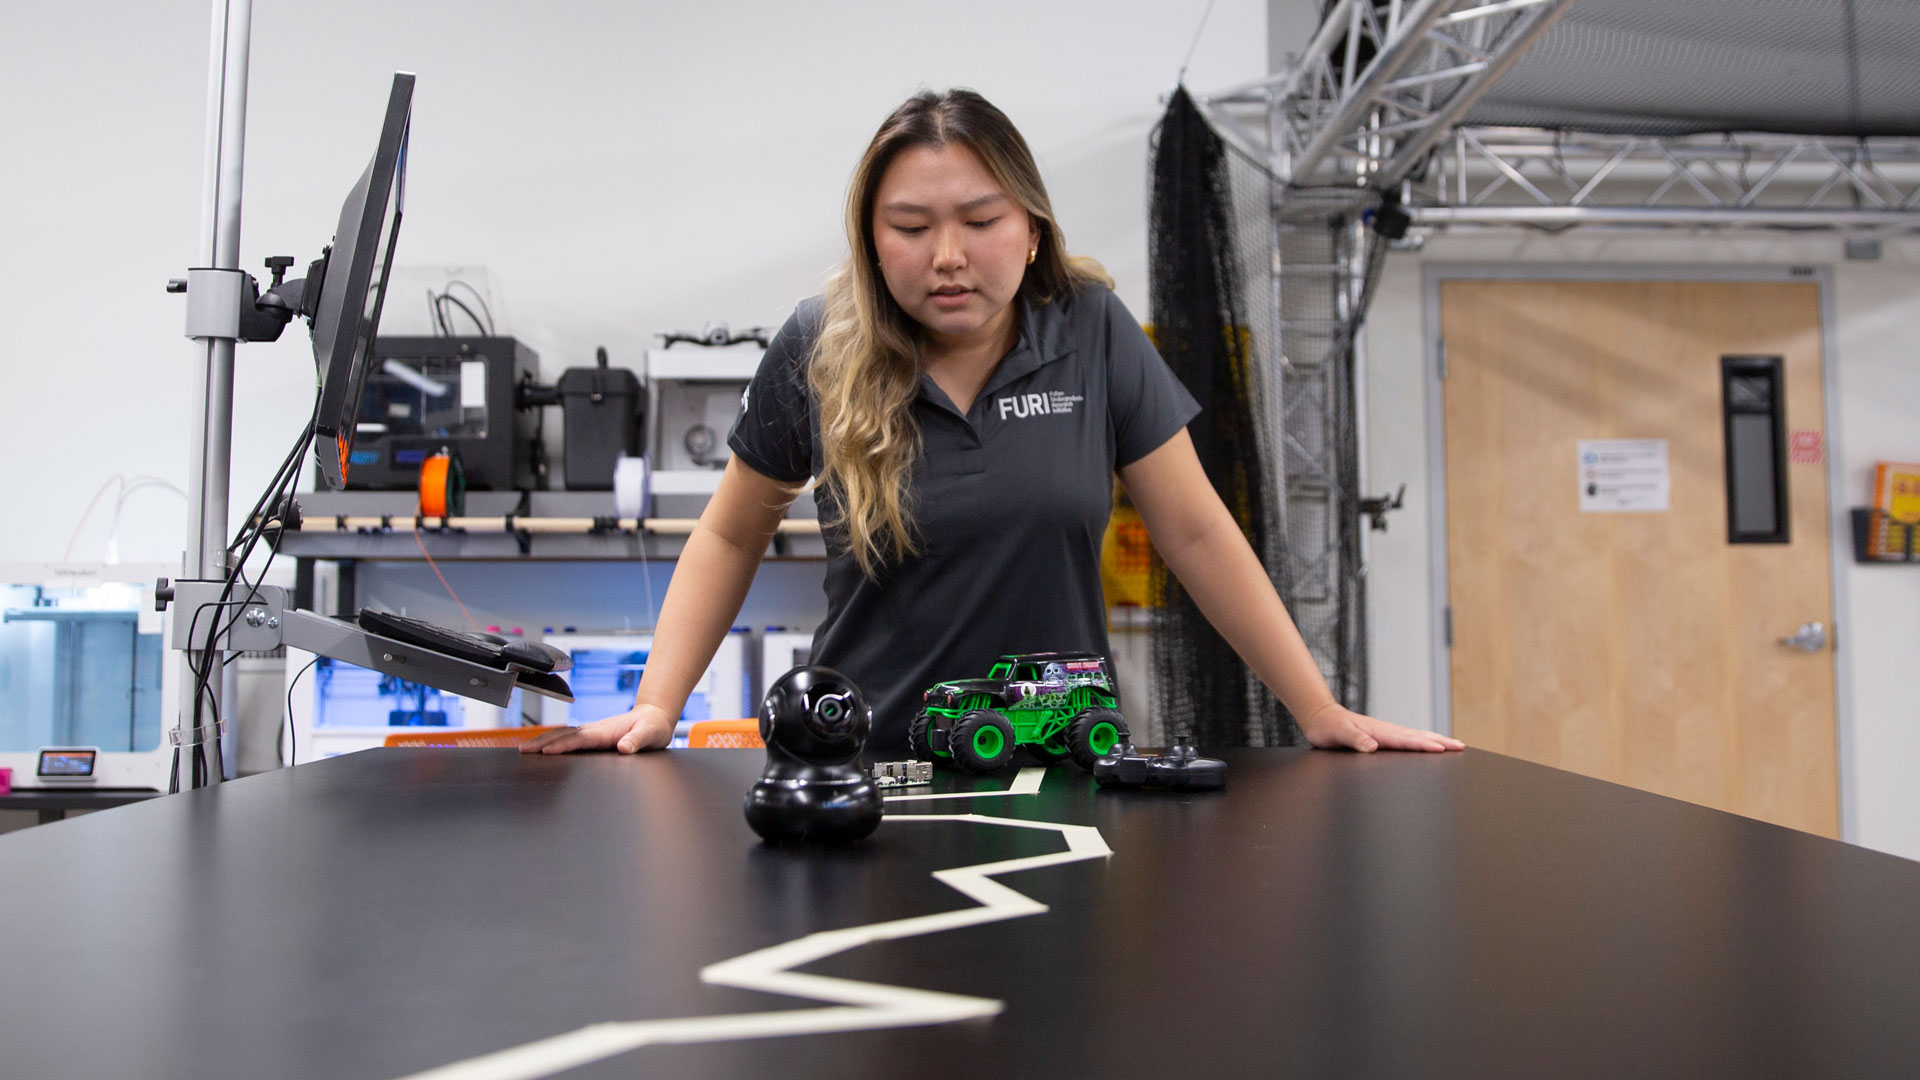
x,y
424,394
693,398
81,668
780,652
602,417
607,668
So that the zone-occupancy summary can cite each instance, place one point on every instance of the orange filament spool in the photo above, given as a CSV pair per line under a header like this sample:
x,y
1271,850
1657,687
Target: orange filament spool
x,y
443,485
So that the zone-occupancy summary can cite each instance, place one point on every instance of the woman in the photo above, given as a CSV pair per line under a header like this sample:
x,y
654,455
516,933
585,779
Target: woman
x,y
964,392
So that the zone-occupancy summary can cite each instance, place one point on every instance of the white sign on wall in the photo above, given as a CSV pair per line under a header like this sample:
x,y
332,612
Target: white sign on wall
x,y
1624,476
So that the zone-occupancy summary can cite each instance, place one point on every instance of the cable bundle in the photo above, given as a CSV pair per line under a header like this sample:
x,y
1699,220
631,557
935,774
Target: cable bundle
x,y
209,659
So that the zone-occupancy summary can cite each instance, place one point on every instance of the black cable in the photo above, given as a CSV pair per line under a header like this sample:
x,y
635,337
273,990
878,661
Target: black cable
x,y
201,692
455,301
293,736
252,529
253,588
204,701
273,485
211,654
477,298
204,675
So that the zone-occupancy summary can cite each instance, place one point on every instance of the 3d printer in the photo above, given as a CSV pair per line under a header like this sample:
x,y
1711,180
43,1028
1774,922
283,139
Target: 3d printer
x,y
427,393
481,399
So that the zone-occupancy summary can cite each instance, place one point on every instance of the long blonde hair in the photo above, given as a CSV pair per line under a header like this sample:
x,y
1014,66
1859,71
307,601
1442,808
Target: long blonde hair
x,y
865,368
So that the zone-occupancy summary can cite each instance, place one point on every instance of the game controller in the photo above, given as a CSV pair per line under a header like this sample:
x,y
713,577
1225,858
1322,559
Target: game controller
x,y
813,790
1179,769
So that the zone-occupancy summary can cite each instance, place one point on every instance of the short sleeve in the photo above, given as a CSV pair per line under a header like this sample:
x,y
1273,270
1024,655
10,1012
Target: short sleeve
x,y
774,432
1145,400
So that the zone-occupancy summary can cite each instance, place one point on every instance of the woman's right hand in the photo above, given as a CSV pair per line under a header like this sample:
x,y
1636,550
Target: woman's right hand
x,y
643,727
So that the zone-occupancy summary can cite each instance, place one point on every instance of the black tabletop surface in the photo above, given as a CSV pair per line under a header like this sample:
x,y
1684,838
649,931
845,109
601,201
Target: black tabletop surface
x,y
73,798
1328,915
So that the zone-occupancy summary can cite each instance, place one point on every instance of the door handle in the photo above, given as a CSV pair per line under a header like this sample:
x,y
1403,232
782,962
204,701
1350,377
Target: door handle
x,y
1811,637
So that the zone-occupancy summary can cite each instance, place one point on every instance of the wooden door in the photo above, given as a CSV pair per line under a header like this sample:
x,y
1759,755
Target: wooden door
x,y
1637,647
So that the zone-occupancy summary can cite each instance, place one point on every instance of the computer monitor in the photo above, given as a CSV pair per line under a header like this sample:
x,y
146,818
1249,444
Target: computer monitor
x,y
352,283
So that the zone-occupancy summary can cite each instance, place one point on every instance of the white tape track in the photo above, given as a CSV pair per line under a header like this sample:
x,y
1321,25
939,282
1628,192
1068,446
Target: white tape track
x,y
1027,782
851,1005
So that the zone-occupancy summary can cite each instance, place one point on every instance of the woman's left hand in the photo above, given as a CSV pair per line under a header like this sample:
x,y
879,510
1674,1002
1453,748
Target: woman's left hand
x,y
1335,725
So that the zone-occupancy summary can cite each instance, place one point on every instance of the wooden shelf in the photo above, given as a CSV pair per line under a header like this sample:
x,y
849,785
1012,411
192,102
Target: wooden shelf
x,y
399,544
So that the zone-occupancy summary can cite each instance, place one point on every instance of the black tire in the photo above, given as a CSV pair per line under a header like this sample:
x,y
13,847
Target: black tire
x,y
919,736
1050,753
1094,734
982,742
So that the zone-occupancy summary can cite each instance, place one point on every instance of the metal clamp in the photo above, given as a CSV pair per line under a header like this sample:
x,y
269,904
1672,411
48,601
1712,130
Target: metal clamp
x,y
213,302
180,736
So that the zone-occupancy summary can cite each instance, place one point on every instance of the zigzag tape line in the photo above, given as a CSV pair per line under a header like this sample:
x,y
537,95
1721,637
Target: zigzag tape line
x,y
857,1006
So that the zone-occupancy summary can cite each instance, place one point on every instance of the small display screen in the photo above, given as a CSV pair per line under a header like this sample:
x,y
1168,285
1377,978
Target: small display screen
x,y
67,762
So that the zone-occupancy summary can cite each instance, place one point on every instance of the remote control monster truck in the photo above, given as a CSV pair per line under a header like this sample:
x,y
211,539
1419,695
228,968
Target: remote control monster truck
x,y
1057,705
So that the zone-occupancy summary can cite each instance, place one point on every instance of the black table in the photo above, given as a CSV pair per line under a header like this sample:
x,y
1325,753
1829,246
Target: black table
x,y
54,803
1329,915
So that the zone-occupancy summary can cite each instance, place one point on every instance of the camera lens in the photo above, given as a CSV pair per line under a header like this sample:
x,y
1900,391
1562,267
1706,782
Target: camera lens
x,y
832,714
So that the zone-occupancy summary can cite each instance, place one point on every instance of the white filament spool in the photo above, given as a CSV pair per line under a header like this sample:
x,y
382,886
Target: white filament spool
x,y
630,487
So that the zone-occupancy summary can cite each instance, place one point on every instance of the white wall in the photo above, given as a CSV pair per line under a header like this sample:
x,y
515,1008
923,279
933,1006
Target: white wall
x,y
621,169
1877,362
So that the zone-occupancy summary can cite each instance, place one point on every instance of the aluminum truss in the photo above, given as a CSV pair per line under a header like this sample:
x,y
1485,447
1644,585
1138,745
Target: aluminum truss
x,y
1374,105
1371,111
1525,176
1318,277
1378,86
1380,83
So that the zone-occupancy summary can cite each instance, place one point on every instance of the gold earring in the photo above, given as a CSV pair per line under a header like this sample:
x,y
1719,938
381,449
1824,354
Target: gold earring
x,y
1032,255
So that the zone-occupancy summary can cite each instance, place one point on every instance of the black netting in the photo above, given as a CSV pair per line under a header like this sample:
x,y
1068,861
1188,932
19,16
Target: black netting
x,y
1198,308
1657,67
1254,306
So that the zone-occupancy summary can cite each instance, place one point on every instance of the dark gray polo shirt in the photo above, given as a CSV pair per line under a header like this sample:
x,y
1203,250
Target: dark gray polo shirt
x,y
1010,500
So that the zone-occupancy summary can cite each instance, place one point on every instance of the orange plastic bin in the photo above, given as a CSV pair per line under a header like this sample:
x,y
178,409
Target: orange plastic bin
x,y
725,734
508,736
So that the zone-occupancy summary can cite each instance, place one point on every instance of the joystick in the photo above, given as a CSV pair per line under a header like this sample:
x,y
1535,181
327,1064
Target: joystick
x,y
1179,769
814,722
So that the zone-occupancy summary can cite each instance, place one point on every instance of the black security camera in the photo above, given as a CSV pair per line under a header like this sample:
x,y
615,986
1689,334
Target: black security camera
x,y
814,721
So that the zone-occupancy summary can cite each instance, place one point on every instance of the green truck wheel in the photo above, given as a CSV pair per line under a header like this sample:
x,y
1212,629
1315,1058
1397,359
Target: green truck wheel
x,y
982,742
918,736
1094,734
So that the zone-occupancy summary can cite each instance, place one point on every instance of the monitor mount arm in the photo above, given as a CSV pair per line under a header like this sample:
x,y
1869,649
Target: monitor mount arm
x,y
228,304
268,620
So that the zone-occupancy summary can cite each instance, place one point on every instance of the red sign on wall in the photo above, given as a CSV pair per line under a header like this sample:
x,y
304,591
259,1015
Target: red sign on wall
x,y
1804,448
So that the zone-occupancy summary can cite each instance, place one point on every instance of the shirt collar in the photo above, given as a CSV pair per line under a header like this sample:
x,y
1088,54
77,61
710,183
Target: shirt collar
x,y
1040,343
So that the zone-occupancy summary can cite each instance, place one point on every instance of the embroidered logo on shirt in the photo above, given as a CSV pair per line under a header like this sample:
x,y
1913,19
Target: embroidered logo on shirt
x,y
1052,403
